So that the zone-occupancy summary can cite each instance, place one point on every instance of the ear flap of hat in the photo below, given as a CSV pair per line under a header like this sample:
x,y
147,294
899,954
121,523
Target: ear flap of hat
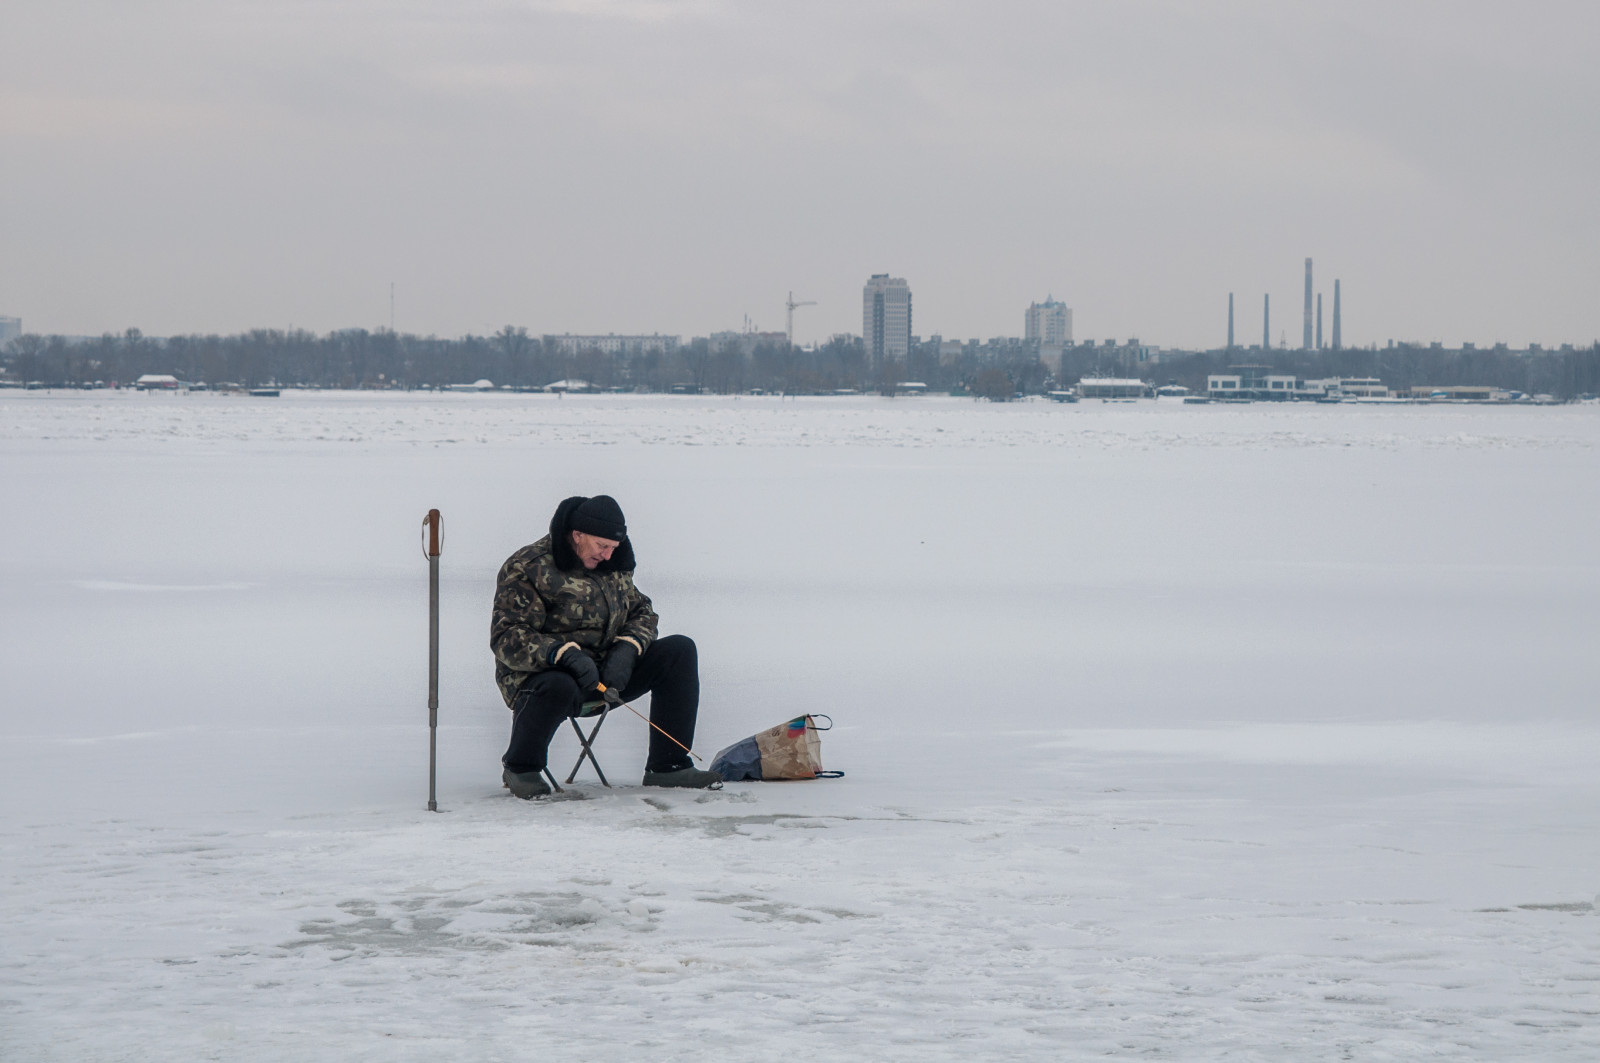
x,y
560,527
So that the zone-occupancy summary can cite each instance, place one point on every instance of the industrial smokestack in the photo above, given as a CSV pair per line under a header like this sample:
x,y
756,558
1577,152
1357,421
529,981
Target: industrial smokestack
x,y
1336,344
1305,332
1230,321
1266,322
1319,321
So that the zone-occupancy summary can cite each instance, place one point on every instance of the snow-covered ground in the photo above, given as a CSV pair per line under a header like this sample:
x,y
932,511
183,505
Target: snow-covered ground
x,y
1247,732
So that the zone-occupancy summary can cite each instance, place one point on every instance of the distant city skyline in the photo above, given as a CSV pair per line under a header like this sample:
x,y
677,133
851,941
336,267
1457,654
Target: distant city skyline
x,y
888,331
641,166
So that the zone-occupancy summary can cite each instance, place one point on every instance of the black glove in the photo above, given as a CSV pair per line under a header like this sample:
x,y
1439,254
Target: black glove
x,y
581,667
618,668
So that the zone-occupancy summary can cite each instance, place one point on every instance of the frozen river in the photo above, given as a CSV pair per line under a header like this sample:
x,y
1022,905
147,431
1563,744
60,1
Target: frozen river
x,y
1187,732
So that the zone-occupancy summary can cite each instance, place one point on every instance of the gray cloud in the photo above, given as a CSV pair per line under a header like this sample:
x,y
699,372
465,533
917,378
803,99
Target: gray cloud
x,y
662,166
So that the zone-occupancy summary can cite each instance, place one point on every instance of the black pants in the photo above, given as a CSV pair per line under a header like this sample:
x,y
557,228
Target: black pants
x,y
669,671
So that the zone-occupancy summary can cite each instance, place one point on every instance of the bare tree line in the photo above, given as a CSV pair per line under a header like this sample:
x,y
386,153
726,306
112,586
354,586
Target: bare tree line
x,y
358,358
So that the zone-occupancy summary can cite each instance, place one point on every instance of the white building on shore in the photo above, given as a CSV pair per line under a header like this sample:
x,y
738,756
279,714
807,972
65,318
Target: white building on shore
x,y
612,343
746,342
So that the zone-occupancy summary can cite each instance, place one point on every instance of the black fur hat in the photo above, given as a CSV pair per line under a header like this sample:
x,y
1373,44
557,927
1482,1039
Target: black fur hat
x,y
600,516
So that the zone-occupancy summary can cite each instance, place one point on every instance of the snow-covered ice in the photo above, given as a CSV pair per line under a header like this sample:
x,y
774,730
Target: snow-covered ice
x,y
1246,732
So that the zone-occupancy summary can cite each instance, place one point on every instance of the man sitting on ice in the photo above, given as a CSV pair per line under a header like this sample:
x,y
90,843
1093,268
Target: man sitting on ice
x,y
567,620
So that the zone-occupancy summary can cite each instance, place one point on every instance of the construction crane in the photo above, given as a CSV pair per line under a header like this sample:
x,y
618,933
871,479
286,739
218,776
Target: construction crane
x,y
792,305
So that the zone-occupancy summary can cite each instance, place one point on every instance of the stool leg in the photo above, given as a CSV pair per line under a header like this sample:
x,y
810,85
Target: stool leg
x,y
588,749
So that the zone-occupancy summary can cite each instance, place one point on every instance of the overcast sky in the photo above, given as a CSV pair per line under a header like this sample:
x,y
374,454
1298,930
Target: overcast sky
x,y
652,165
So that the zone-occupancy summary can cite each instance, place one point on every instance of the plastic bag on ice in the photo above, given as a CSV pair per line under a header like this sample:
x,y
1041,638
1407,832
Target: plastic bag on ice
x,y
790,750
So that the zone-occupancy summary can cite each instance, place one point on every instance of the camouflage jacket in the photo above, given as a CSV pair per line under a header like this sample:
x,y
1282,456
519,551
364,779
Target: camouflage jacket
x,y
540,607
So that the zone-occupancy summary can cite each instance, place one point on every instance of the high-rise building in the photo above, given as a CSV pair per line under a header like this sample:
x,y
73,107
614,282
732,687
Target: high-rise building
x,y
10,329
886,318
1049,323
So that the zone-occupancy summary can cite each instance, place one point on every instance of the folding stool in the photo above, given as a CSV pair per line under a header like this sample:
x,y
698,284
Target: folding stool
x,y
598,709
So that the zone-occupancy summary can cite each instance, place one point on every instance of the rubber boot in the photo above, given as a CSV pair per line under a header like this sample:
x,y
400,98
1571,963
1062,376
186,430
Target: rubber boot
x,y
526,785
688,778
